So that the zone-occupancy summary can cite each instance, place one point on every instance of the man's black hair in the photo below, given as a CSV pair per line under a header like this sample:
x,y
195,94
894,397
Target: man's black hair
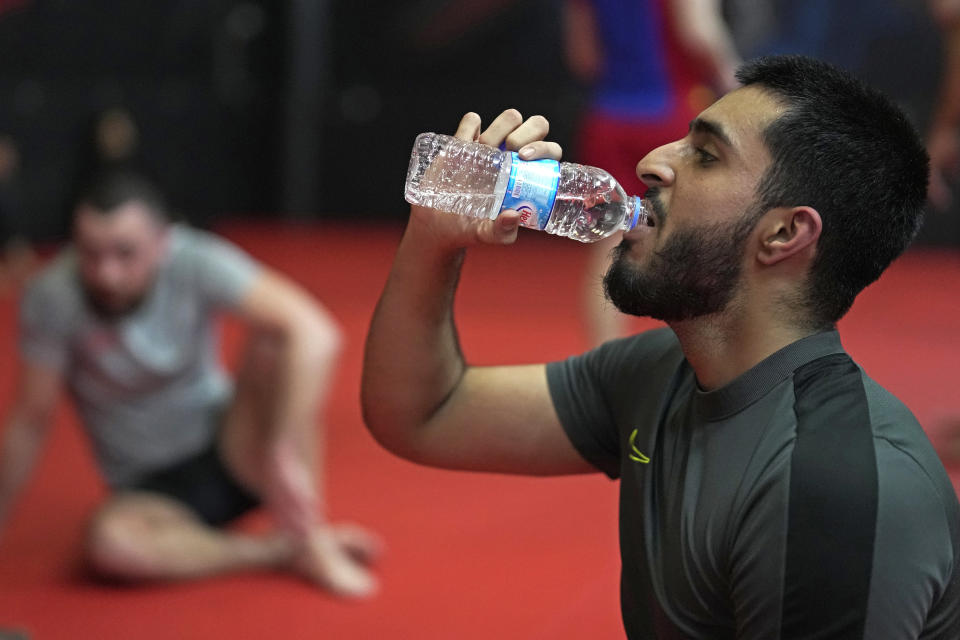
x,y
112,189
847,151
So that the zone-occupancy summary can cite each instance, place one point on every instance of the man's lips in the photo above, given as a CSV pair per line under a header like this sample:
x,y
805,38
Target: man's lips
x,y
654,207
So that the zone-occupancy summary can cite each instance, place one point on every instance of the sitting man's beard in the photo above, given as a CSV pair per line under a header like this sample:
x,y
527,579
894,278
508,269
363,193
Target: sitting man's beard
x,y
695,274
109,308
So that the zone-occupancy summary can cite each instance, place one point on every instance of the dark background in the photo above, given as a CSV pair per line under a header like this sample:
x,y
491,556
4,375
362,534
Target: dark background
x,y
301,110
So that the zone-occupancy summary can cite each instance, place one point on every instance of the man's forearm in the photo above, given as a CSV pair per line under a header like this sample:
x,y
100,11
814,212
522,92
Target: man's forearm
x,y
412,360
22,439
308,357
704,33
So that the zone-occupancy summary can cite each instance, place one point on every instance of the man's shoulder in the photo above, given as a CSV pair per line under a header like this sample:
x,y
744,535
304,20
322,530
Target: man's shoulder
x,y
57,283
896,428
184,237
204,264
891,419
53,302
187,241
838,374
885,405
894,431
192,248
652,355
644,350
649,354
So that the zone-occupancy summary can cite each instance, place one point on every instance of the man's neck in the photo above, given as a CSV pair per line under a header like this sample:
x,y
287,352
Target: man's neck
x,y
721,348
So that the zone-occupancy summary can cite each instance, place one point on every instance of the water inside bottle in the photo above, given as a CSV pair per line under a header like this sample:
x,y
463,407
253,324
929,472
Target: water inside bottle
x,y
452,177
590,205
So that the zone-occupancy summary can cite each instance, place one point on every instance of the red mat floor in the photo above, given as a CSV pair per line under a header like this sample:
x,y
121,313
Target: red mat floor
x,y
468,555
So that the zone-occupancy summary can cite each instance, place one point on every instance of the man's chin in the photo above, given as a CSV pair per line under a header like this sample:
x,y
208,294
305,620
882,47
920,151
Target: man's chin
x,y
112,308
642,291
623,283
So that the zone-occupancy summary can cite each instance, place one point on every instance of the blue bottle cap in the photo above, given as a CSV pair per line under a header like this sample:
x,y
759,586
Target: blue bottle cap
x,y
637,206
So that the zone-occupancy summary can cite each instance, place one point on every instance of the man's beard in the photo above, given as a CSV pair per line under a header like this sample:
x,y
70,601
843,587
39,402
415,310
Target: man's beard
x,y
695,274
111,309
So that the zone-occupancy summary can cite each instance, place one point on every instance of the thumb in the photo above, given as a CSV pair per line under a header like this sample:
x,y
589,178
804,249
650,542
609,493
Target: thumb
x,y
504,228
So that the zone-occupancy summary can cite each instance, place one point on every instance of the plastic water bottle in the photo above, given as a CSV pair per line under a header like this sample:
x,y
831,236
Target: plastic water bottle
x,y
473,179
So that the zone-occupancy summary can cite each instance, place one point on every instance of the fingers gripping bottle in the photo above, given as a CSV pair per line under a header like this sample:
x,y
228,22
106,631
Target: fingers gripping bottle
x,y
475,180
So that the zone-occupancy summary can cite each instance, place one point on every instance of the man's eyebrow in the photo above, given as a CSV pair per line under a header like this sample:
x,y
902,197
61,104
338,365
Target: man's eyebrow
x,y
709,127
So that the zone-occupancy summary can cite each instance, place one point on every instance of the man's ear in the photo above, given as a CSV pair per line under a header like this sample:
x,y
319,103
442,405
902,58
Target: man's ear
x,y
784,232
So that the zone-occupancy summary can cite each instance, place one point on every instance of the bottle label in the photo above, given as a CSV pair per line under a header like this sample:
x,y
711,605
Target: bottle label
x,y
532,190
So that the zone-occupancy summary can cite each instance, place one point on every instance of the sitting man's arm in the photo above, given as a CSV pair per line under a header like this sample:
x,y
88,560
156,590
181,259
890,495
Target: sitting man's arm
x,y
307,341
420,398
272,435
25,430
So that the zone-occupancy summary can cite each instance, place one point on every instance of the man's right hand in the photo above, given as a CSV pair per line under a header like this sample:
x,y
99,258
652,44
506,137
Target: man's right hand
x,y
454,232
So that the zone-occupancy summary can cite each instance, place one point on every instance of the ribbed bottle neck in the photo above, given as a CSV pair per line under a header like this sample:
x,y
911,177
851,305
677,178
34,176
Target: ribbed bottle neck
x,y
637,213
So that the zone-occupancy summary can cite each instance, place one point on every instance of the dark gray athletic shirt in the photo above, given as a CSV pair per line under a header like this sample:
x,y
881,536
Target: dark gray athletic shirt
x,y
802,500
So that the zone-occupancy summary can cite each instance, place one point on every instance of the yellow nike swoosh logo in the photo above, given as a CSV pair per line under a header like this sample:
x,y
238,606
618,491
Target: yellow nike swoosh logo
x,y
635,453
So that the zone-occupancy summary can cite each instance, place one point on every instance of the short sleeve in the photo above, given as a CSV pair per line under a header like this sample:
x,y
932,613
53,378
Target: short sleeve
x,y
576,388
596,393
914,586
221,271
45,326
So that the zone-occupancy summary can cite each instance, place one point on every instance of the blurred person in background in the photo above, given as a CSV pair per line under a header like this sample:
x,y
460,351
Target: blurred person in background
x,y
943,141
651,66
124,319
943,144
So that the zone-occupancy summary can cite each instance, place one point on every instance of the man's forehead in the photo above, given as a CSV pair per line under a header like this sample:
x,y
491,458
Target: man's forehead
x,y
743,114
129,215
124,225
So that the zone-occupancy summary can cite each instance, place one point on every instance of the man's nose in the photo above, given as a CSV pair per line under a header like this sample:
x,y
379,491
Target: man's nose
x,y
656,168
108,272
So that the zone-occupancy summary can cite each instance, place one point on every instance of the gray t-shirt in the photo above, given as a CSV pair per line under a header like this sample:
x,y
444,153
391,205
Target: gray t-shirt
x,y
801,500
149,387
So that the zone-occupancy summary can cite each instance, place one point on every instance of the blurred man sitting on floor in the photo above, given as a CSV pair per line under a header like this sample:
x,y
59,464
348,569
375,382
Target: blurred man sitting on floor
x,y
126,318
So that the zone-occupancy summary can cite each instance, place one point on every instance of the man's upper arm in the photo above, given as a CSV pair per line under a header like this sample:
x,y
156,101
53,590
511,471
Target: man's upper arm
x,y
46,314
915,556
220,272
532,419
38,392
499,419
231,279
45,318
274,301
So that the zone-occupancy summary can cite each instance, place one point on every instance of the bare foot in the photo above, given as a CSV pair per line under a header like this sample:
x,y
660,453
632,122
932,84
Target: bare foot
x,y
364,546
334,558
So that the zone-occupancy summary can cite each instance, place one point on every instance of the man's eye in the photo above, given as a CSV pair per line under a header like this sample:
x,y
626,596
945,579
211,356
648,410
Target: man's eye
x,y
703,157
